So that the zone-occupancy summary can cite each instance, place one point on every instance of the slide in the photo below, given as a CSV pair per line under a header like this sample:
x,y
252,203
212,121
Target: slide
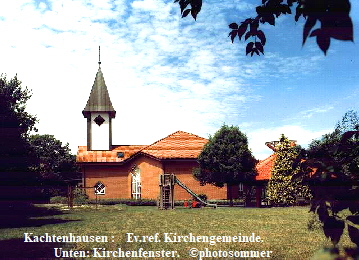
x,y
194,194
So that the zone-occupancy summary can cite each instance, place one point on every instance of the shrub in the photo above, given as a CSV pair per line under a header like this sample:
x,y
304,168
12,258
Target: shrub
x,y
129,202
108,201
80,198
58,199
142,202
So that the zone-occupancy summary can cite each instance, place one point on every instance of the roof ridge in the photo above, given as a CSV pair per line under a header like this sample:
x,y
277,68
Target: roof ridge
x,y
266,159
179,131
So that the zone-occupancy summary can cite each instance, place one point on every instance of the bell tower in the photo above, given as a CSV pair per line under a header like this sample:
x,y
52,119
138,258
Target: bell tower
x,y
99,113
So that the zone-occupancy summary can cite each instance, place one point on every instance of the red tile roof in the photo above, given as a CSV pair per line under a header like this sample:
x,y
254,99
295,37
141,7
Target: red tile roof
x,y
107,156
179,145
264,168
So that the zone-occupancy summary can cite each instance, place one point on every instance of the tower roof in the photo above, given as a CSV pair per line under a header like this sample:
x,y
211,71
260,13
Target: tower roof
x,y
99,100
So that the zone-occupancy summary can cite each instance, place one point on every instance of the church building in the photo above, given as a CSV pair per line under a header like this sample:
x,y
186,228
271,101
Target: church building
x,y
132,171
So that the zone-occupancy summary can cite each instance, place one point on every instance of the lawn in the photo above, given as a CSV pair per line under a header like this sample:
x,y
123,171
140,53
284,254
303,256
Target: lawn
x,y
282,230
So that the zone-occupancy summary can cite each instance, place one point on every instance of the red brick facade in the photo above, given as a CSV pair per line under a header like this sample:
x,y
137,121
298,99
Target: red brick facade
x,y
175,154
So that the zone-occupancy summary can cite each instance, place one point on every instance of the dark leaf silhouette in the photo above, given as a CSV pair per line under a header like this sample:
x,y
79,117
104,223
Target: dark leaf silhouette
x,y
242,29
323,41
233,26
340,28
259,47
322,212
311,21
315,32
254,26
196,6
183,4
194,13
333,229
298,13
233,34
260,10
286,9
261,37
249,47
186,12
248,34
270,19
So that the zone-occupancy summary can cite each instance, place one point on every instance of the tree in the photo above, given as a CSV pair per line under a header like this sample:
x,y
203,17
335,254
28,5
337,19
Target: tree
x,y
54,162
332,169
282,189
24,159
226,159
333,16
15,126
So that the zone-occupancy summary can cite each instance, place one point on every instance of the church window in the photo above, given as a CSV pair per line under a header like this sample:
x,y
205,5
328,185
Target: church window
x,y
136,183
99,120
100,188
240,189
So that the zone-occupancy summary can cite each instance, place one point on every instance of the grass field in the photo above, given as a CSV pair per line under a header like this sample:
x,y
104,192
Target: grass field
x,y
283,230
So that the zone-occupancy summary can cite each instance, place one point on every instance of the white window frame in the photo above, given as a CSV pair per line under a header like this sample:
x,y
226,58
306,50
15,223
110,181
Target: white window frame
x,y
136,183
241,189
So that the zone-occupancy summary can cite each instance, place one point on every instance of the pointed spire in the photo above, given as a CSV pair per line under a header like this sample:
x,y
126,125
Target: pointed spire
x,y
99,100
99,56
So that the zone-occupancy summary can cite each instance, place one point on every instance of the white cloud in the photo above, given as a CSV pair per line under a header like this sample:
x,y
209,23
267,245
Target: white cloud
x,y
259,137
309,113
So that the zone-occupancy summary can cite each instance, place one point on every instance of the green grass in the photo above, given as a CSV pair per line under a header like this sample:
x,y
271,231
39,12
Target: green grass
x,y
283,230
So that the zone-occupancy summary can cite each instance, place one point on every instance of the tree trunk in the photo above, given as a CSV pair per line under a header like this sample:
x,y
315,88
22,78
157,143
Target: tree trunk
x,y
230,196
248,196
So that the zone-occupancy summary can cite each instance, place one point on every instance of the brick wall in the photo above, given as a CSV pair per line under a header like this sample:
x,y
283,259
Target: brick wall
x,y
183,171
115,179
150,171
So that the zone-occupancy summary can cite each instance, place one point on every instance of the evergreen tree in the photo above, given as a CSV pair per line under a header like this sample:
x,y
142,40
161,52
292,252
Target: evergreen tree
x,y
282,188
226,159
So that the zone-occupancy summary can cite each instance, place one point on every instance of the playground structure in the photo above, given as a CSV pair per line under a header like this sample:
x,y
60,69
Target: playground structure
x,y
167,183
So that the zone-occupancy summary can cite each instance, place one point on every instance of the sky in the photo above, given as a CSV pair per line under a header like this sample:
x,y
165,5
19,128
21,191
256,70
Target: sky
x,y
165,73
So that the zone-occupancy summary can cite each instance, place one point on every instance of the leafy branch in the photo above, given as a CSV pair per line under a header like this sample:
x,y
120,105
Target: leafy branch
x,y
332,175
333,16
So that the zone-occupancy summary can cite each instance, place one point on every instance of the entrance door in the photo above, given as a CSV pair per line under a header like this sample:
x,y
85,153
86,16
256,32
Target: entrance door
x,y
136,183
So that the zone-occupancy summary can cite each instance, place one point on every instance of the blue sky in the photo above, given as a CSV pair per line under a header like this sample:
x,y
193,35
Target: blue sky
x,y
165,73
